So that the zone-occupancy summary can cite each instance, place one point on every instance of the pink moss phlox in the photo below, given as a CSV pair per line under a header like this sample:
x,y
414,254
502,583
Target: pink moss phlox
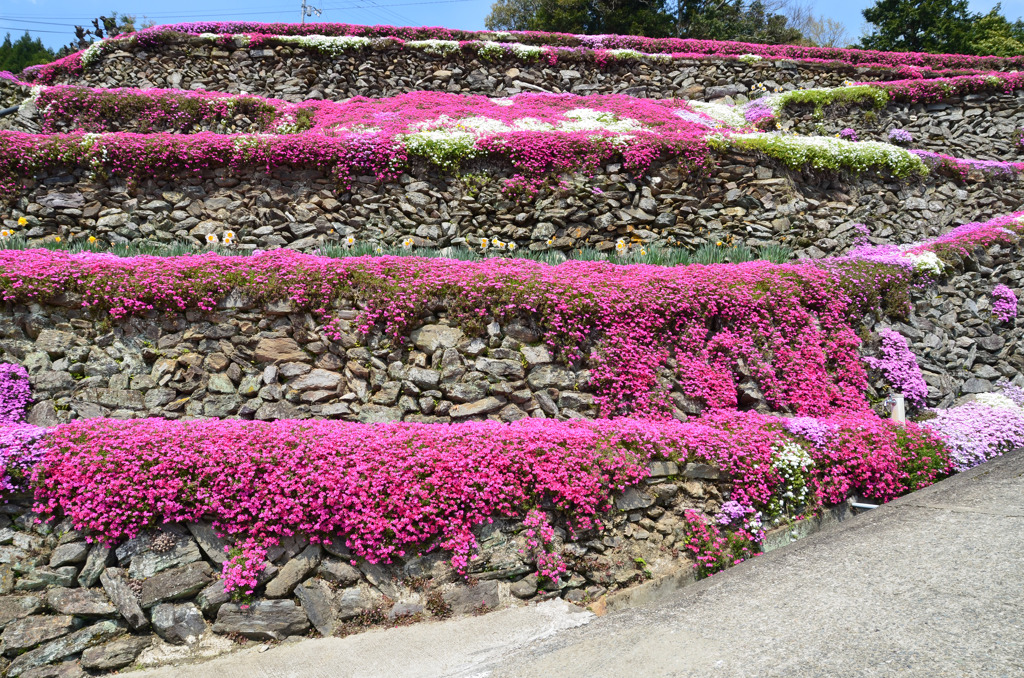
x,y
558,46
788,324
21,448
15,393
898,365
1004,303
406,488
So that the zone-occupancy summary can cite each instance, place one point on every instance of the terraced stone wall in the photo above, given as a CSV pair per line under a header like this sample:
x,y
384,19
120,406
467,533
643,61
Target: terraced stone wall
x,y
298,74
972,126
163,586
746,199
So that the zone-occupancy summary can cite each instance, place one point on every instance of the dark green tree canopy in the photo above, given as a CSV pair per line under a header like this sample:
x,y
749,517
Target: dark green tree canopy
x,y
16,55
941,26
706,19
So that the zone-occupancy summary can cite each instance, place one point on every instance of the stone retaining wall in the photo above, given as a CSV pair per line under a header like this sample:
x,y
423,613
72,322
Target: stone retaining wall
x,y
297,74
973,126
746,200
158,598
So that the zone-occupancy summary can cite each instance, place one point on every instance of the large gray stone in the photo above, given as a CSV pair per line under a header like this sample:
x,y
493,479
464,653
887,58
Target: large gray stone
x,y
80,602
181,582
149,563
213,546
429,338
39,578
633,499
316,380
66,646
503,369
15,607
353,601
294,571
55,343
279,350
338,572
484,406
379,414
211,598
68,554
262,620
550,376
469,599
115,583
318,602
24,634
116,654
99,557
178,624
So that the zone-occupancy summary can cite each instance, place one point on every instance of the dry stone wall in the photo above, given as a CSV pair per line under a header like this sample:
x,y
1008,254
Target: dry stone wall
x,y
746,200
158,598
972,126
297,74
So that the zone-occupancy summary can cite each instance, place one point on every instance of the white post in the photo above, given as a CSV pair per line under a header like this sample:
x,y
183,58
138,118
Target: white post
x,y
899,411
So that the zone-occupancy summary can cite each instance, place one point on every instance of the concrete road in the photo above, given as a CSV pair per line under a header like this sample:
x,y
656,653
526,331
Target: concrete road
x,y
931,585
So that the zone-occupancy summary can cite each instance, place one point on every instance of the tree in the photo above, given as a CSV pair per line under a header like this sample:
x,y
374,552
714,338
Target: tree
x,y
938,26
703,19
995,35
14,56
594,17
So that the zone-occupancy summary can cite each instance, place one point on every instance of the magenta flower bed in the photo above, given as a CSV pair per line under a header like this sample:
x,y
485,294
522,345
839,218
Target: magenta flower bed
x,y
356,137
899,366
397,489
788,323
560,45
1004,303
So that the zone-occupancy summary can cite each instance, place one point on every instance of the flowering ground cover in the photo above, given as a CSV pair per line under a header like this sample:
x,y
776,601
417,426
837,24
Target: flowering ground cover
x,y
525,45
410,487
539,135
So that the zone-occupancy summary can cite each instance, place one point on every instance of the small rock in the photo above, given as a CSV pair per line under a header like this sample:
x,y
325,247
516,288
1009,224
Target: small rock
x,y
525,587
181,582
17,607
66,646
338,572
68,554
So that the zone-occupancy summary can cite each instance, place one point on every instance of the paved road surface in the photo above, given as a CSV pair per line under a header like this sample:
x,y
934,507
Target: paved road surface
x,y
931,585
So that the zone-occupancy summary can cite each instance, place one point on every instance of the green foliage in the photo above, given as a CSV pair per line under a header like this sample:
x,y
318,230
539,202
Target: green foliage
x,y
705,19
824,153
941,26
868,95
16,55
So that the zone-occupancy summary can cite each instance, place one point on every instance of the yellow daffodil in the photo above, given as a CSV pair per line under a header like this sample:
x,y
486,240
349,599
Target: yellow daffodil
x,y
501,245
22,221
408,243
92,238
643,252
484,243
56,238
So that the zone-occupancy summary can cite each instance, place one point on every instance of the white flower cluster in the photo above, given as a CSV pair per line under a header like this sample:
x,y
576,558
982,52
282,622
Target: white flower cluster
x,y
927,262
750,58
435,47
831,153
93,52
995,400
331,44
792,462
724,115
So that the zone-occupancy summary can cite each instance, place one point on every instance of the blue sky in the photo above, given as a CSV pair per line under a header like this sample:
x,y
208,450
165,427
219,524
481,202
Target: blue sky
x,y
53,20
